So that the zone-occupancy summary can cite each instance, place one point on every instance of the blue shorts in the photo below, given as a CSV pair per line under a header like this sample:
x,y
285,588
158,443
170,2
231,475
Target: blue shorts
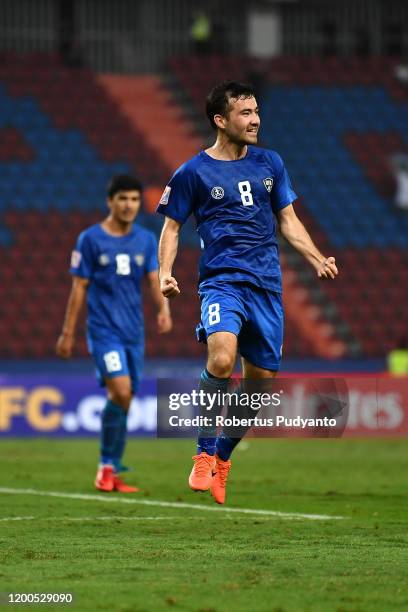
x,y
114,358
253,314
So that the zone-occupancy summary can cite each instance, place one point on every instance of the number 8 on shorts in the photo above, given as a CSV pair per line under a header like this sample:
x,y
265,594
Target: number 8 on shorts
x,y
214,314
112,361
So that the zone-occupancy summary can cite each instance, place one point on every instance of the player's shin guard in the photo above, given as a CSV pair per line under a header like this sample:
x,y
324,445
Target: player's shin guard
x,y
213,388
110,431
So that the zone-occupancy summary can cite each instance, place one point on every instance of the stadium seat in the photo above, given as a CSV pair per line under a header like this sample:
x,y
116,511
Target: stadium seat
x,y
336,122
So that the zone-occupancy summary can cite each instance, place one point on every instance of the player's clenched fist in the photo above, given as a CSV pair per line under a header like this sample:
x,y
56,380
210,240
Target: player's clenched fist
x,y
169,287
65,345
327,268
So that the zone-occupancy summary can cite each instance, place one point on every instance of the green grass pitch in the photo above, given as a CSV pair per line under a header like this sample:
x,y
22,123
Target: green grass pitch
x,y
135,557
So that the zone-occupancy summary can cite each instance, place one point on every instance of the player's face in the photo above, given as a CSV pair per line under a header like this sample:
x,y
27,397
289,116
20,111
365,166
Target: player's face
x,y
242,123
125,205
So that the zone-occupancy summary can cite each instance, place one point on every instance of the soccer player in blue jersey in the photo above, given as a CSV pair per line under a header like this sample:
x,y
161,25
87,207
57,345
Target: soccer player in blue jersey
x,y
240,195
108,265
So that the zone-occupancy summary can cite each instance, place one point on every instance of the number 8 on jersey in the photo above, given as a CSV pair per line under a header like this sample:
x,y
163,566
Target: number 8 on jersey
x,y
245,191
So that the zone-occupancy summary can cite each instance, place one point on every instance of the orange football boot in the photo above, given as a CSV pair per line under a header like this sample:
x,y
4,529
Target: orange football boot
x,y
104,480
201,474
219,481
122,487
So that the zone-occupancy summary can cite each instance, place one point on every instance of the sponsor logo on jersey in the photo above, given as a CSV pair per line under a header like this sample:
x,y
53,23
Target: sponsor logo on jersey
x,y
165,196
140,259
75,259
268,182
103,259
217,193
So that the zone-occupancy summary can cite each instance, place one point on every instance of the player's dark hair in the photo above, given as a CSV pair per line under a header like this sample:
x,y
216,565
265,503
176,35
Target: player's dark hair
x,y
123,182
218,99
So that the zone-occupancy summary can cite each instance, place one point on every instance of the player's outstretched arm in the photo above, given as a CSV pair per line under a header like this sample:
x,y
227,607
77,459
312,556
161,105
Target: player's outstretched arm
x,y
164,322
66,341
296,234
167,254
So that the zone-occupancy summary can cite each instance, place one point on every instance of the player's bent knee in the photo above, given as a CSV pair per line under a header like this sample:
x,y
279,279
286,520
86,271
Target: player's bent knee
x,y
122,399
221,364
119,390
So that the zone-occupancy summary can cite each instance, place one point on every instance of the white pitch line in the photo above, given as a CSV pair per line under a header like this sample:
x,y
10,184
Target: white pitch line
x,y
17,518
87,518
165,504
110,518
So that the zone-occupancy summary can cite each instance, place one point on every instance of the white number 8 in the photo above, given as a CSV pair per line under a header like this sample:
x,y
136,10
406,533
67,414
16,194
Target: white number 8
x,y
123,264
214,314
245,191
112,361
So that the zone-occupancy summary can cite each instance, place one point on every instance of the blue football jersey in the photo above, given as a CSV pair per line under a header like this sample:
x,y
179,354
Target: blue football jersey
x,y
234,204
115,266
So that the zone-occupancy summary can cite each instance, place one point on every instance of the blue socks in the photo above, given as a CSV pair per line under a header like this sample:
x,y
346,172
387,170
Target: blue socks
x,y
225,446
113,433
120,444
230,437
224,443
207,435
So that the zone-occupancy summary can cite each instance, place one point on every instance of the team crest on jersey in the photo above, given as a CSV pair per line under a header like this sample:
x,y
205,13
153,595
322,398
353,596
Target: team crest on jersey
x,y
103,259
165,196
217,193
75,259
139,259
268,182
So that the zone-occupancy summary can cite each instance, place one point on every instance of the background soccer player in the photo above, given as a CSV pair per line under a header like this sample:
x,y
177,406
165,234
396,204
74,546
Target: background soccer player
x,y
238,193
108,265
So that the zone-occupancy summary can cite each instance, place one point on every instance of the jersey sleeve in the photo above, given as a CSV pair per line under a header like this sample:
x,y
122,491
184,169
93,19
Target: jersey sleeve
x,y
178,196
282,193
82,261
151,262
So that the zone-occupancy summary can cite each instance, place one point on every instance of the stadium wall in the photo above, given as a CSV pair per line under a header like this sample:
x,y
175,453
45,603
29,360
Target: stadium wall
x,y
127,36
70,406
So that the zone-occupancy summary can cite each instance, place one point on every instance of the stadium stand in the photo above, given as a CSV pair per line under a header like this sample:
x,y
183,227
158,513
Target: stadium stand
x,y
64,132
144,99
61,139
336,122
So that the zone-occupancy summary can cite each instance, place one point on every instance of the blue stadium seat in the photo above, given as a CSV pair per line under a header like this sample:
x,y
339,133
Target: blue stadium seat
x,y
307,125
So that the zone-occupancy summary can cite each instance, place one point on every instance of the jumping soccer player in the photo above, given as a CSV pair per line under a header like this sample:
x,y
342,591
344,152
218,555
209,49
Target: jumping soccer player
x,y
238,194
108,265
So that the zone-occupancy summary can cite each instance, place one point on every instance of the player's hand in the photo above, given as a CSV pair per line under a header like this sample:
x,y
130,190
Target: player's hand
x,y
65,345
327,268
164,322
169,287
